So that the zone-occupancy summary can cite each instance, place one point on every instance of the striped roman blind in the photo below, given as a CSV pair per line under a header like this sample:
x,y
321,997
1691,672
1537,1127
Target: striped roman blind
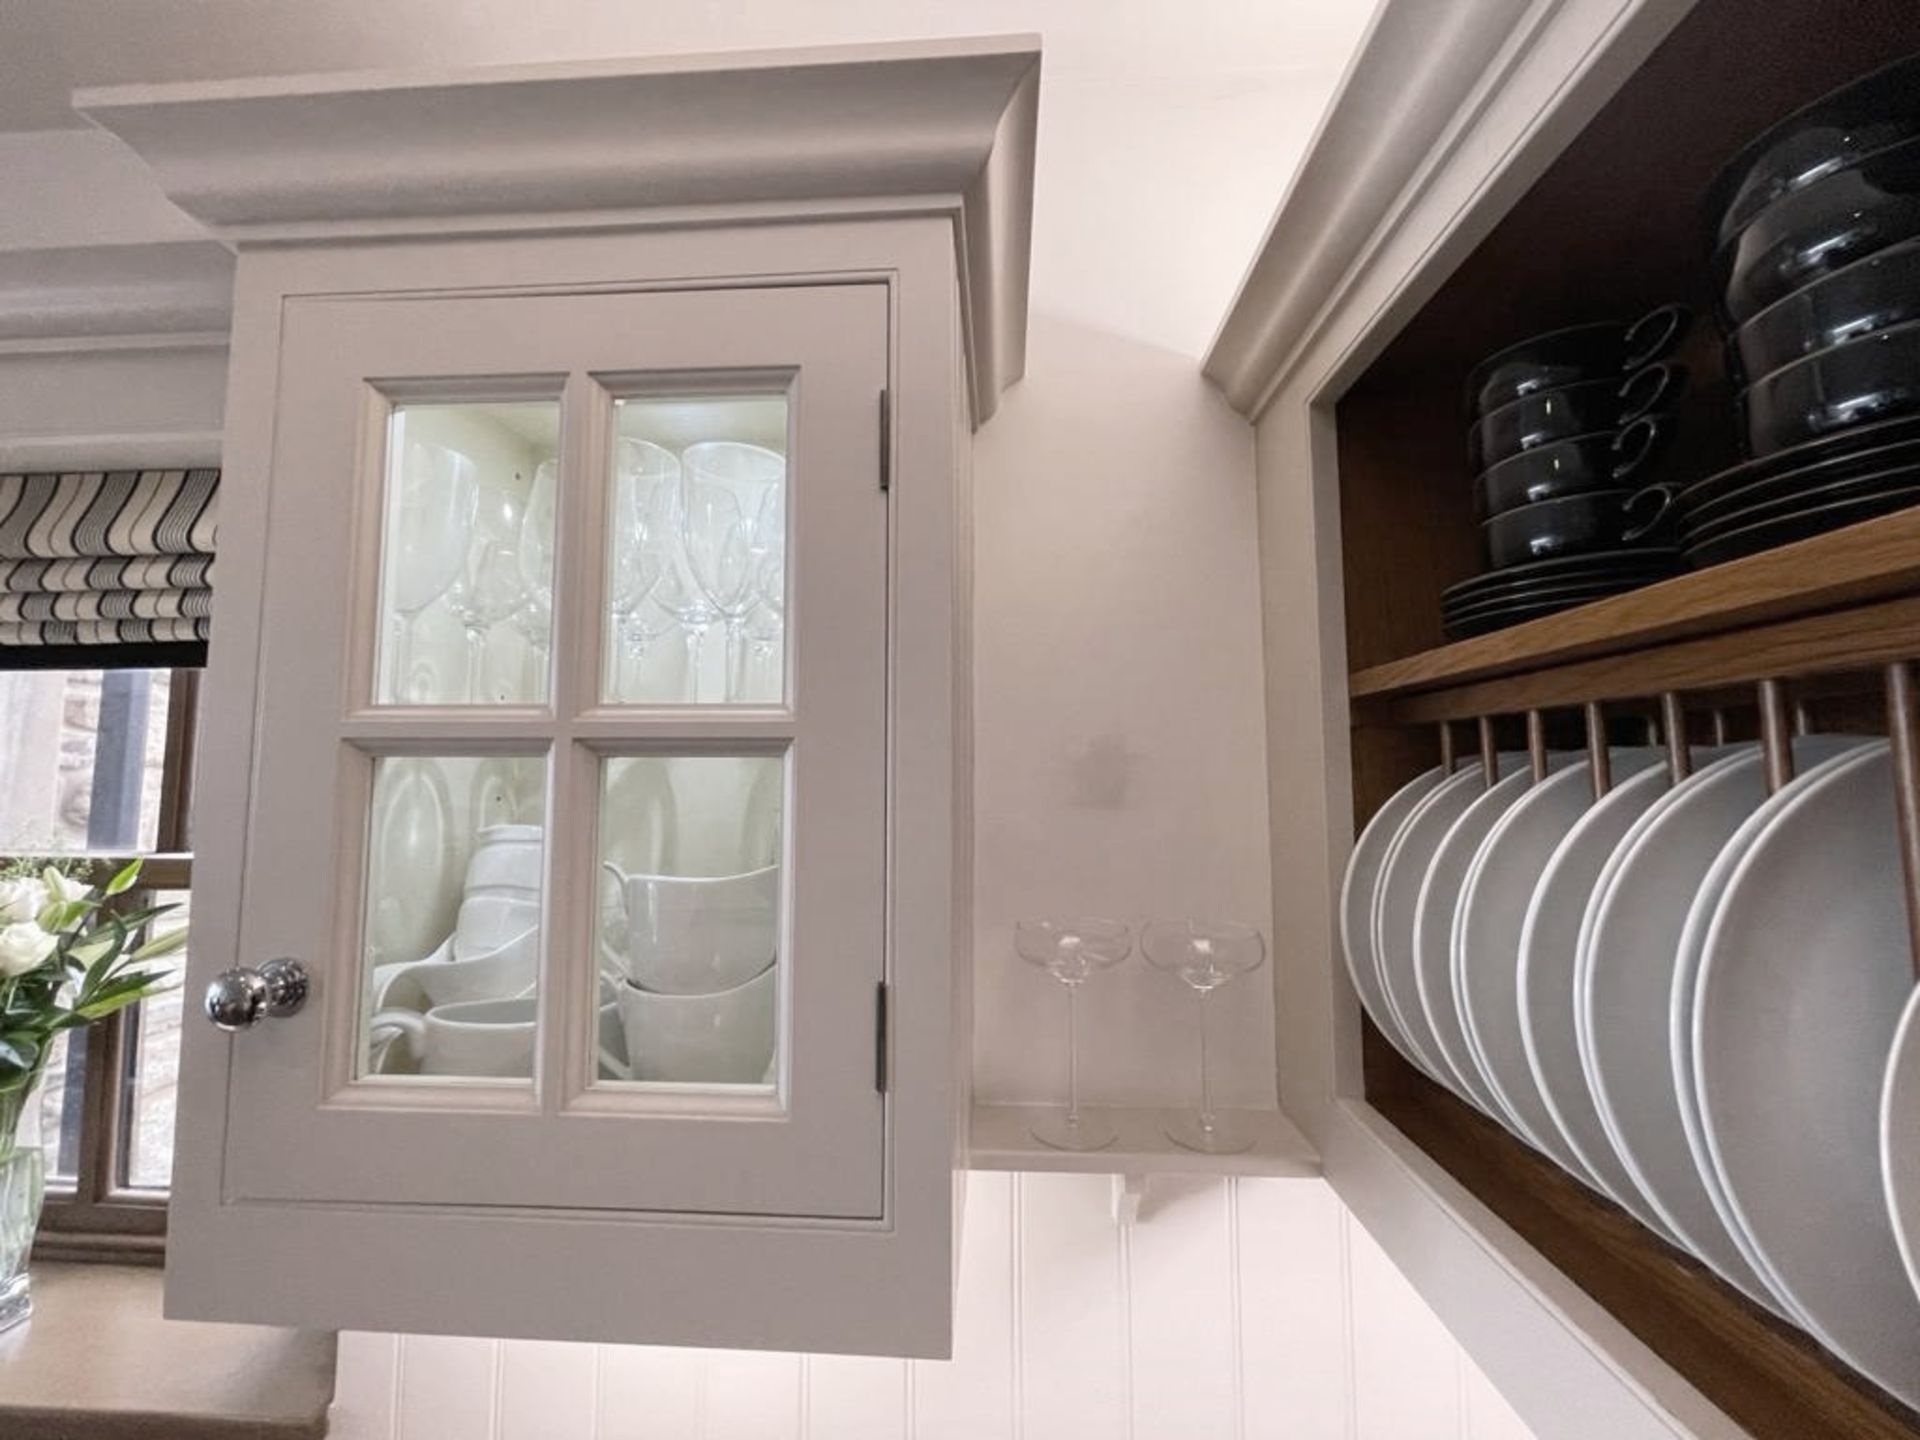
x,y
93,562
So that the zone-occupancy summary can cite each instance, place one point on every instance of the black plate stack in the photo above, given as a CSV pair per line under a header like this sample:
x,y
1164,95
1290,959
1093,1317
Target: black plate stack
x,y
1564,427
1815,228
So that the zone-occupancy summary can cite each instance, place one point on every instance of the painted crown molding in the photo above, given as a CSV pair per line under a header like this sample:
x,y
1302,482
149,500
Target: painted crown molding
x,y
113,356
944,127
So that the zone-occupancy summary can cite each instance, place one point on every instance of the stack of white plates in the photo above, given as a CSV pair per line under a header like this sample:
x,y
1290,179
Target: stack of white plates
x,y
1696,999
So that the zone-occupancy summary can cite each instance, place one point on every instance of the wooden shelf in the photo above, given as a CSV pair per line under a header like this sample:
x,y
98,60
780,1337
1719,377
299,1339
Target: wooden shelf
x,y
1001,1142
1850,567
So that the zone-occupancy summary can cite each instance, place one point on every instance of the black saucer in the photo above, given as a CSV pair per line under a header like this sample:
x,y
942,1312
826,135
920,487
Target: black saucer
x,y
1732,542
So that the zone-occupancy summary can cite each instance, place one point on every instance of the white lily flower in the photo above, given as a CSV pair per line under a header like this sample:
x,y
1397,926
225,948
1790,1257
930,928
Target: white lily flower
x,y
65,889
21,900
23,945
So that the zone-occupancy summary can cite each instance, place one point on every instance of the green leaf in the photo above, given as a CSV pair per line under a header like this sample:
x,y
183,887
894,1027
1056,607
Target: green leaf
x,y
124,881
165,944
18,1052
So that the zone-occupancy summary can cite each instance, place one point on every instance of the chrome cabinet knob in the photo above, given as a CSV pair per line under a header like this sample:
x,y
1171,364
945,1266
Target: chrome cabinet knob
x,y
239,999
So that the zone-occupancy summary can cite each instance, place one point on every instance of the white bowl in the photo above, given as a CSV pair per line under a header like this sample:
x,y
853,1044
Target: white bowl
x,y
723,1039
507,856
699,936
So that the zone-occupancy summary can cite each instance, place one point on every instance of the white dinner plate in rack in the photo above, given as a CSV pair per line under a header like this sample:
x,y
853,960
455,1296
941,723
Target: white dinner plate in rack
x,y
1395,897
1900,1138
1494,900
1806,971
1812,755
1356,895
1623,993
1549,947
1425,986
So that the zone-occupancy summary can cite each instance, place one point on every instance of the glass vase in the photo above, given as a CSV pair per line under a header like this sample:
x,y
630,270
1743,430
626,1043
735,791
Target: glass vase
x,y
23,1183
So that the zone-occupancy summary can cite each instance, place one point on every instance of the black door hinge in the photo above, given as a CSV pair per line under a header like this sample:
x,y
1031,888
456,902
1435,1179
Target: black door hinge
x,y
880,1037
886,441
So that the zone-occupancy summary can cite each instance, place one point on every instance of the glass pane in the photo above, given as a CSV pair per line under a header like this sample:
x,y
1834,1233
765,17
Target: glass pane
x,y
153,1066
81,753
690,853
696,551
466,607
61,1105
455,877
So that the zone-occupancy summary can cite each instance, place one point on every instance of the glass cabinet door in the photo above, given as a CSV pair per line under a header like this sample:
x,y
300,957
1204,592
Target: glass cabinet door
x,y
571,783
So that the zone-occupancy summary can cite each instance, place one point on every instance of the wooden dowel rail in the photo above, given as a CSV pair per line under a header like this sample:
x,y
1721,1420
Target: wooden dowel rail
x,y
1673,728
1448,759
1537,744
1599,757
1719,718
1776,734
1489,752
1903,732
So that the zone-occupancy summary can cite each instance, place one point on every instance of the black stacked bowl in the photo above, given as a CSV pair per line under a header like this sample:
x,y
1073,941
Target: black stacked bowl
x,y
1815,235
1563,428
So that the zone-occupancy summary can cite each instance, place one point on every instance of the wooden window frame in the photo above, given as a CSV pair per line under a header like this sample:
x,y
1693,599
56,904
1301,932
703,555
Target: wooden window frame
x,y
95,1215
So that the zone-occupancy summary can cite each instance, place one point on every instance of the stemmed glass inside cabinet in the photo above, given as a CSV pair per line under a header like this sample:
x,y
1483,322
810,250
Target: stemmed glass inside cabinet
x,y
489,588
434,502
1205,954
1071,951
727,486
643,538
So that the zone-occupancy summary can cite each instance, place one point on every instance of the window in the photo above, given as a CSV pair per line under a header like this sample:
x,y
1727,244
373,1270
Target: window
x,y
98,763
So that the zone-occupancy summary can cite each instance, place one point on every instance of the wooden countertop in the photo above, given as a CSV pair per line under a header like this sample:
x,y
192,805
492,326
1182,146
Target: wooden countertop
x,y
98,1362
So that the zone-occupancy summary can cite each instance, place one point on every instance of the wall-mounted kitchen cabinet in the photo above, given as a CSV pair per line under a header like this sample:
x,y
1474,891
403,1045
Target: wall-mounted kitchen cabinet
x,y
588,719
1493,172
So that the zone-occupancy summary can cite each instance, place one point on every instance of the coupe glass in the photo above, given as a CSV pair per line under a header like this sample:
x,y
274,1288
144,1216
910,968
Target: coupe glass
x,y
1071,951
1206,954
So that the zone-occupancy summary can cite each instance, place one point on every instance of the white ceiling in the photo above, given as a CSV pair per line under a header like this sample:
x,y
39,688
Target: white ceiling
x,y
50,47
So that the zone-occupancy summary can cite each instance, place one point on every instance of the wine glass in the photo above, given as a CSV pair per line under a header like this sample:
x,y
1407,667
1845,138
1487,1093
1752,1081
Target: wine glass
x,y
643,532
534,618
432,520
1070,951
726,485
490,588
1206,954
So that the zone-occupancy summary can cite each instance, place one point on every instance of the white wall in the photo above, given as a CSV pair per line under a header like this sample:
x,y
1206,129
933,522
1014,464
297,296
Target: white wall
x,y
1234,1309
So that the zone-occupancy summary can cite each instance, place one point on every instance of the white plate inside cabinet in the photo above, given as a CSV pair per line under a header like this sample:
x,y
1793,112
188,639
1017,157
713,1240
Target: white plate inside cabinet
x,y
1900,1138
1549,946
1494,902
1806,969
1357,891
1812,756
1436,931
1398,893
1623,991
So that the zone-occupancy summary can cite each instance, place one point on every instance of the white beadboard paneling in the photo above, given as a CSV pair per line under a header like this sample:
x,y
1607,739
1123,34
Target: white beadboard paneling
x,y
1295,1311
363,1390
752,1395
1069,1309
1181,1345
1254,1309
971,1396
1406,1367
447,1388
546,1389
849,1397
649,1392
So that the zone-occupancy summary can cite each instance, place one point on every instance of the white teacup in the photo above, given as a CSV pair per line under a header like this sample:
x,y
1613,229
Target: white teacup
x,y
506,856
492,1038
489,918
723,1039
497,974
699,935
